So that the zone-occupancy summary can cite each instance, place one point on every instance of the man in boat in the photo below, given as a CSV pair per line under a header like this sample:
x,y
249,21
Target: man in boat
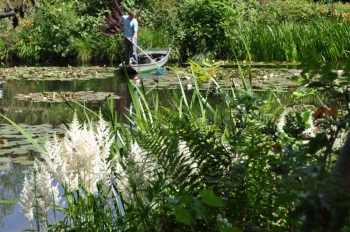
x,y
130,37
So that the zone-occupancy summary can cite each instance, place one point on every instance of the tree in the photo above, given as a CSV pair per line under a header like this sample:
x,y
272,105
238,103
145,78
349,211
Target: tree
x,y
9,12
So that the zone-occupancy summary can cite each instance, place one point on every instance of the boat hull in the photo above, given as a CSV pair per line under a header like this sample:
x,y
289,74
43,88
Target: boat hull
x,y
159,58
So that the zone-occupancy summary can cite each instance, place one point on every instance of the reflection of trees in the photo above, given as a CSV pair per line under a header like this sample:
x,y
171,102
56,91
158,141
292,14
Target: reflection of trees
x,y
10,188
34,113
123,91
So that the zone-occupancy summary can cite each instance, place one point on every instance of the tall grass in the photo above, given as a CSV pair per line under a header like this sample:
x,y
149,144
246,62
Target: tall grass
x,y
287,41
84,50
150,38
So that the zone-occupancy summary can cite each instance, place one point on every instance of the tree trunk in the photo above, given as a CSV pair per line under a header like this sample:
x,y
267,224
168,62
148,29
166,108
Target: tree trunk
x,y
8,14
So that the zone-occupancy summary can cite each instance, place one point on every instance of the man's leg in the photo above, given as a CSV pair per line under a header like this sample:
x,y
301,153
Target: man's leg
x,y
134,57
127,46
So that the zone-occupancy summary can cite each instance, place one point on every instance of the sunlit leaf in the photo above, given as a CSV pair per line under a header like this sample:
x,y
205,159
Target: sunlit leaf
x,y
9,201
209,198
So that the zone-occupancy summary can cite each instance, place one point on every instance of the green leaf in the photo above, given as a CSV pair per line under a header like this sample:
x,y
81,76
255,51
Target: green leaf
x,y
306,116
9,201
295,79
209,198
329,77
182,215
186,198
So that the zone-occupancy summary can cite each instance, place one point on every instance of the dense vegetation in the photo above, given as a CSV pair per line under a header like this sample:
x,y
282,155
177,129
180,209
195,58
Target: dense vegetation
x,y
223,160
51,31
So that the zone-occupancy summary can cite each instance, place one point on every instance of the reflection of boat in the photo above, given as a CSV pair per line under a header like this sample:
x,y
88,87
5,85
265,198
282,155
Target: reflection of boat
x,y
159,58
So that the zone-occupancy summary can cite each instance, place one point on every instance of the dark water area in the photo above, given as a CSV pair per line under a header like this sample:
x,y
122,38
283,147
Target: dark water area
x,y
36,113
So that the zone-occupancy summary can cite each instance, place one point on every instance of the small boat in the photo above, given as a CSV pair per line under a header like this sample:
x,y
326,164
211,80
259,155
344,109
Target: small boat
x,y
159,58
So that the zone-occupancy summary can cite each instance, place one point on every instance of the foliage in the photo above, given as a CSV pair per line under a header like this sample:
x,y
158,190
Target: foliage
x,y
199,17
44,41
72,29
220,160
111,25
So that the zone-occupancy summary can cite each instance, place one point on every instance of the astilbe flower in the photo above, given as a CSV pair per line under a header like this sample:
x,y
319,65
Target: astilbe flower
x,y
38,191
137,171
81,156
140,169
282,121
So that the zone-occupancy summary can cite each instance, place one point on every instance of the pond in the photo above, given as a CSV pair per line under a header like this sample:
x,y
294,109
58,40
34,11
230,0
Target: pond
x,y
29,103
31,97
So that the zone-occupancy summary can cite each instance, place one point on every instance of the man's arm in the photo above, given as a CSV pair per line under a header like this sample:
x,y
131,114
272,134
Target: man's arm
x,y
134,36
121,19
136,28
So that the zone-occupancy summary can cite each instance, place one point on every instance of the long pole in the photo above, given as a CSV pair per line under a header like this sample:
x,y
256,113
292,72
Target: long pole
x,y
143,52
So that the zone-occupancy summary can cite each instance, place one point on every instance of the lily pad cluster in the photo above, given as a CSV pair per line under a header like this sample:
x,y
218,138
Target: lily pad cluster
x,y
16,148
262,78
55,73
65,96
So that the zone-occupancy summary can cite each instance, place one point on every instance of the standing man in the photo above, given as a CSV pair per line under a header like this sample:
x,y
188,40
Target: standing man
x,y
130,37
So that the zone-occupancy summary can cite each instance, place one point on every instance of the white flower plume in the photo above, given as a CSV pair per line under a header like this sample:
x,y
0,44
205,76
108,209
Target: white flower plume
x,y
81,155
79,158
38,191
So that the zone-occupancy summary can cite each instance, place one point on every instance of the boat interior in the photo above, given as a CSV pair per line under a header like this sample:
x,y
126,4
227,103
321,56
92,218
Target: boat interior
x,y
143,59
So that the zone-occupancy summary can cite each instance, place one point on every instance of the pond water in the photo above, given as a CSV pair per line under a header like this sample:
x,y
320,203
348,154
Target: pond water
x,y
31,97
41,118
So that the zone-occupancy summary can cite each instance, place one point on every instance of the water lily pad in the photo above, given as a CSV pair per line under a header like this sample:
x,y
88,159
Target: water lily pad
x,y
4,167
26,162
55,73
29,148
20,151
4,160
69,96
20,159
23,142
9,144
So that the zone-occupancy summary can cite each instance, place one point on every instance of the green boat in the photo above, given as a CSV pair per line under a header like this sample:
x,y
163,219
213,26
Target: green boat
x,y
155,58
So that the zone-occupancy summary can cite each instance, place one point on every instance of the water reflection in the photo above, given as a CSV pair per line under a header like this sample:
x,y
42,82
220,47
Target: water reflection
x,y
10,188
42,118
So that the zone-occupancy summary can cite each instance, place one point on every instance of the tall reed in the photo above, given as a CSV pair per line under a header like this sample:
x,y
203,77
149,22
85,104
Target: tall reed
x,y
287,41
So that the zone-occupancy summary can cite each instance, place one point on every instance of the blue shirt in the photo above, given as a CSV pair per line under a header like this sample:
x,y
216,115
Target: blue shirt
x,y
130,26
